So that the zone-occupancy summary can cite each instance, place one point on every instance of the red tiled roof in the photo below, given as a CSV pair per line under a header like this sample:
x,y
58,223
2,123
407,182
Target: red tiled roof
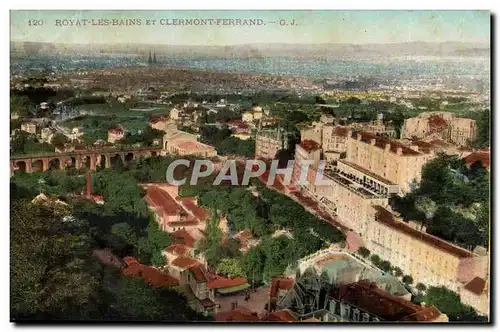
x,y
198,273
384,216
279,316
178,249
198,212
158,118
437,142
161,200
380,142
190,145
476,285
368,297
221,282
182,236
130,260
240,314
309,145
185,223
341,131
483,157
436,123
184,262
151,275
280,283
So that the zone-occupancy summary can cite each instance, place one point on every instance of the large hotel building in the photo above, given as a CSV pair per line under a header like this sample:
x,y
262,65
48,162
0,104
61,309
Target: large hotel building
x,y
374,169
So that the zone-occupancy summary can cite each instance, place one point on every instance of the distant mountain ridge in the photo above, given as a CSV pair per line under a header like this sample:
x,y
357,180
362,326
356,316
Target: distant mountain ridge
x,y
327,51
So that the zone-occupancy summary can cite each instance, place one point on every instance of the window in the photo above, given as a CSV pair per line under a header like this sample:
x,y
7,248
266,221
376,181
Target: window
x,y
333,305
355,315
366,317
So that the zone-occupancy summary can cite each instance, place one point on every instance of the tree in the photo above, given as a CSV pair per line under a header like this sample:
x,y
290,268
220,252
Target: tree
x,y
407,279
426,205
59,139
211,244
364,252
230,267
385,266
448,302
48,265
397,271
483,130
375,259
253,264
158,240
421,287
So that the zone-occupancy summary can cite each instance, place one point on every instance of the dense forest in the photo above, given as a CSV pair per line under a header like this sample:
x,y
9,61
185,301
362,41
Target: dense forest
x,y
55,276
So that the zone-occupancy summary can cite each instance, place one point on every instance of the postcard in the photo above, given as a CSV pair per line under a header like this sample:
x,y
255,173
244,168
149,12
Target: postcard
x,y
265,166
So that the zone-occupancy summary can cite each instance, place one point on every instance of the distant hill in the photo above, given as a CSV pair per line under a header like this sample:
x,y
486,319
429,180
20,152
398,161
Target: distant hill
x,y
327,51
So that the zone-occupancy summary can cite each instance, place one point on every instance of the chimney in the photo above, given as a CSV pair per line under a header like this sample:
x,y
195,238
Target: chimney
x,y
372,141
399,151
89,183
414,147
358,136
349,133
387,146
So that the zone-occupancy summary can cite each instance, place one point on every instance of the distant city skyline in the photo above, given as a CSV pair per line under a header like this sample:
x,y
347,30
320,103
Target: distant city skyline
x,y
313,27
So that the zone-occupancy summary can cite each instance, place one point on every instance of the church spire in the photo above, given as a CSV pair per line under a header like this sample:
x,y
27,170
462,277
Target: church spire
x,y
154,58
150,61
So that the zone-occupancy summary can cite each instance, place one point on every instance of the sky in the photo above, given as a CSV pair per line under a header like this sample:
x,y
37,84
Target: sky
x,y
358,27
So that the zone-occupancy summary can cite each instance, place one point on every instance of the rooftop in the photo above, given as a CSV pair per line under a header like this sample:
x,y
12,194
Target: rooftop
x,y
279,316
380,142
152,276
191,145
341,131
184,262
221,282
198,273
368,297
278,284
178,249
482,157
183,237
309,145
476,285
385,216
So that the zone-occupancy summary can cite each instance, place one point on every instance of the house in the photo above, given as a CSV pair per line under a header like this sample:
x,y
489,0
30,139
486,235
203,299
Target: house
x,y
158,122
149,274
247,117
478,156
224,285
193,279
184,144
115,134
46,134
29,127
173,212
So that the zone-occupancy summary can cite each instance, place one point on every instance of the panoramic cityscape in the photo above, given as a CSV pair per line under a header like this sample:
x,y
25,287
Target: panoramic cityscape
x,y
250,166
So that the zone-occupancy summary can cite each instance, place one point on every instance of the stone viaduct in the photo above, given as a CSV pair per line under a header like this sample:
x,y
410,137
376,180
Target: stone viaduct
x,y
80,158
